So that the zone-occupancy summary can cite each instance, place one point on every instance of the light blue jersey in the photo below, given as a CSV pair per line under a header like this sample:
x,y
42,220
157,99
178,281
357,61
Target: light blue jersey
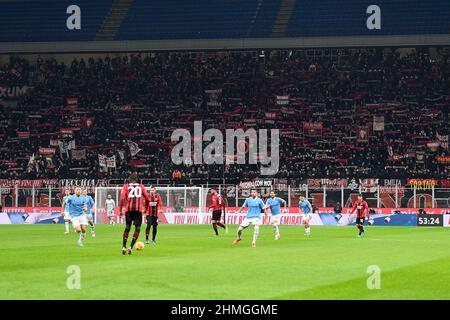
x,y
89,204
76,205
275,205
66,207
255,206
305,205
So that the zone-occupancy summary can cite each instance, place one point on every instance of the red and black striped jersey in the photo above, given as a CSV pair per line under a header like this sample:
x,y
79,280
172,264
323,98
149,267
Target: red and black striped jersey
x,y
154,204
361,207
218,202
136,197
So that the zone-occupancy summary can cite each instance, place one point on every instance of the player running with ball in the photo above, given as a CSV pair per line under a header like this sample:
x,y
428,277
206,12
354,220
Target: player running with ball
x,y
255,205
306,210
362,213
134,194
77,209
274,203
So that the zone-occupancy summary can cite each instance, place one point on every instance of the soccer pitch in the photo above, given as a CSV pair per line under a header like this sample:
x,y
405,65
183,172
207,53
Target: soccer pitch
x,y
190,263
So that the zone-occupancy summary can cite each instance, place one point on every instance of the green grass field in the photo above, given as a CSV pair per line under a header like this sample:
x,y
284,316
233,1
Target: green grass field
x,y
190,263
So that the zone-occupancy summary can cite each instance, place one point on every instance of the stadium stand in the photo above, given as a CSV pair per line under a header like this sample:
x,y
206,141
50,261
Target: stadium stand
x,y
198,20
46,20
283,18
56,119
331,18
136,20
113,19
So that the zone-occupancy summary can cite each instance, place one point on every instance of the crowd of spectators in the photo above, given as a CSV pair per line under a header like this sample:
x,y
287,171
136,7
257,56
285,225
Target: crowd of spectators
x,y
56,118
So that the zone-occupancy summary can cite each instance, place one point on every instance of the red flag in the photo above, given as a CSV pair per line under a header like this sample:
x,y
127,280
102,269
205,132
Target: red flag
x,y
47,151
72,103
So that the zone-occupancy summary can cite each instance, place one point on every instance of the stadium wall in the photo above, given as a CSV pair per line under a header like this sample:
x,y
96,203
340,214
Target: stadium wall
x,y
379,193
227,44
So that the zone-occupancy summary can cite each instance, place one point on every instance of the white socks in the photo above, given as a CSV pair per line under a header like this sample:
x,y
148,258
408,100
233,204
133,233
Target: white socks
x,y
255,234
308,231
277,230
82,236
239,233
66,224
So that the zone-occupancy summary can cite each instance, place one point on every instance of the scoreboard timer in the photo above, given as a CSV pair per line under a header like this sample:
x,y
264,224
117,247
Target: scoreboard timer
x,y
430,220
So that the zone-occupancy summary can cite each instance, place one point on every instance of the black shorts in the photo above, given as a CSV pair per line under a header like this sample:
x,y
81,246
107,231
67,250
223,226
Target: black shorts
x,y
360,220
152,220
133,217
216,215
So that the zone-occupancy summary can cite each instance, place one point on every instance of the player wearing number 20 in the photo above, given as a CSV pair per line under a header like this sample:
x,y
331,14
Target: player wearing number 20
x,y
136,198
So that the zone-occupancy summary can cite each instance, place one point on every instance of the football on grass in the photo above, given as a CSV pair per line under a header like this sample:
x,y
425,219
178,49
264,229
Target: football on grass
x,y
140,245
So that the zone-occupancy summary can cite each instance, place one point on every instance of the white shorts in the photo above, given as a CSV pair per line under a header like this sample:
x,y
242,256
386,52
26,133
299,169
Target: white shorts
x,y
110,213
79,221
306,216
249,221
275,219
67,216
90,217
